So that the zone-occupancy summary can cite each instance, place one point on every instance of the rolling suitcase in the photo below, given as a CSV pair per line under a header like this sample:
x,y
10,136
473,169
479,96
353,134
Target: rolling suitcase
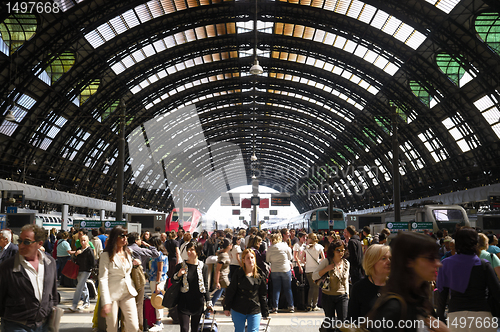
x,y
92,290
149,313
208,325
300,290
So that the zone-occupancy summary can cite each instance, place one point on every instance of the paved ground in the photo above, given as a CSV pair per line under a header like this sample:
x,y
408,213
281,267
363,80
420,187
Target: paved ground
x,y
281,322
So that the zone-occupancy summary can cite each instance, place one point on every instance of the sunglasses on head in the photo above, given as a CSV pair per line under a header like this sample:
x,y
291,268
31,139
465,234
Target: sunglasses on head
x,y
26,242
122,235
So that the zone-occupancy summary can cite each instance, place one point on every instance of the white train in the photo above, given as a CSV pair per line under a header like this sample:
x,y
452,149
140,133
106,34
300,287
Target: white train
x,y
431,217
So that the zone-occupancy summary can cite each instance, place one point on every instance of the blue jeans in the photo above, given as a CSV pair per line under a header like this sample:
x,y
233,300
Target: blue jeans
x,y
239,320
282,279
9,326
60,262
216,295
81,290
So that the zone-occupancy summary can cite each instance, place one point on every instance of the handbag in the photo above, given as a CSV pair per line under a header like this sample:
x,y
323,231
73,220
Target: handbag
x,y
324,282
347,327
71,269
138,277
172,293
55,319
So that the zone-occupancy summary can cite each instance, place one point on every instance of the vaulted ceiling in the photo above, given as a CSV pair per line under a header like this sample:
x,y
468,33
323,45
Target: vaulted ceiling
x,y
338,74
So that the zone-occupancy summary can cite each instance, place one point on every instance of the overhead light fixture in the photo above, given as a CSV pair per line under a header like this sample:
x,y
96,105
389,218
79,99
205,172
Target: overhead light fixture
x,y
106,162
253,157
33,162
10,116
256,69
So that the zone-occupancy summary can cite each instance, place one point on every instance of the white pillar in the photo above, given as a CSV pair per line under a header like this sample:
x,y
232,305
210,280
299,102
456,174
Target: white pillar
x,y
65,215
103,215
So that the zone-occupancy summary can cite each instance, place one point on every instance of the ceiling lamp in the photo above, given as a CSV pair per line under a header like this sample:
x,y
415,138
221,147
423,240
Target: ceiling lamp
x,y
256,69
253,157
10,116
106,162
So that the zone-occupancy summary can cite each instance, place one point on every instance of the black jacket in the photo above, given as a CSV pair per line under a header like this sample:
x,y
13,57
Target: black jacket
x,y
17,297
245,298
85,260
355,258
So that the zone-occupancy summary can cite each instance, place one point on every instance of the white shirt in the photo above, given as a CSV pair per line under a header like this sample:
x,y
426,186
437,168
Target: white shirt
x,y
36,278
313,256
236,251
297,247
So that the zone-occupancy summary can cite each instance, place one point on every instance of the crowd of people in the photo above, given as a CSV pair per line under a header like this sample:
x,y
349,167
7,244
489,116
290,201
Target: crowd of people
x,y
354,277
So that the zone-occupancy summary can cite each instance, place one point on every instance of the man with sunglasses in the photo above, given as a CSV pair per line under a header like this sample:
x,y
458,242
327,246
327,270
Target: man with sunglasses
x,y
28,288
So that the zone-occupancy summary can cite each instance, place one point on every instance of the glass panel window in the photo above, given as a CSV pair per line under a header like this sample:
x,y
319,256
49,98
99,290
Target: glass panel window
x,y
433,145
490,109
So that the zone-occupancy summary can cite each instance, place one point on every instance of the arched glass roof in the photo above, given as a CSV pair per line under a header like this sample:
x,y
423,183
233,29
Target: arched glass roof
x,y
336,75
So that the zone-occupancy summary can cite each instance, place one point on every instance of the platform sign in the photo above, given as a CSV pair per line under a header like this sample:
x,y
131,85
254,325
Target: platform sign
x,y
395,227
421,226
494,202
111,224
280,200
87,224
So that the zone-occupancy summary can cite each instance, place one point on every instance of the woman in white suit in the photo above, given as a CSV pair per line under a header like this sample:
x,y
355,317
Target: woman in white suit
x,y
117,289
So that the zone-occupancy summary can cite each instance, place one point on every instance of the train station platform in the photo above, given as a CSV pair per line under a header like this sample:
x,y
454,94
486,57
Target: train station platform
x,y
281,322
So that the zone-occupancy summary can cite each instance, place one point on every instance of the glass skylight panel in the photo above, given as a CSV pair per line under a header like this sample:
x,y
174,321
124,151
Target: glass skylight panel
x,y
383,169
488,106
412,155
433,145
444,5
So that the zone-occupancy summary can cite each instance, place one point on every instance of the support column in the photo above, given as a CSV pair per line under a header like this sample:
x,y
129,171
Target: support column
x,y
181,208
330,203
120,163
102,214
65,215
396,197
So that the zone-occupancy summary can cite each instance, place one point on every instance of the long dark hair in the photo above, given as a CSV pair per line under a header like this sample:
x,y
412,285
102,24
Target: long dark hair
x,y
112,239
156,242
407,247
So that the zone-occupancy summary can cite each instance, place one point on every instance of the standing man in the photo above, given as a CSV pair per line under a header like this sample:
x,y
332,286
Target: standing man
x,y
102,236
355,254
28,288
7,249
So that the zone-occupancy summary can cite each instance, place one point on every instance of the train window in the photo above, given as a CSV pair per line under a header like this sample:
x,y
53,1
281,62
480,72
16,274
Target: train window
x,y
323,215
448,215
46,219
188,216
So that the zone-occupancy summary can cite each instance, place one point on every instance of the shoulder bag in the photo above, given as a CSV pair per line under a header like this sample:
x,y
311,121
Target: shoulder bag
x,y
138,277
172,293
71,269
324,281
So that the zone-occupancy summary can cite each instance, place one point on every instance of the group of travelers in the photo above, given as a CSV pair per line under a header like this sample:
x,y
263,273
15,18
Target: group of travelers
x,y
354,277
